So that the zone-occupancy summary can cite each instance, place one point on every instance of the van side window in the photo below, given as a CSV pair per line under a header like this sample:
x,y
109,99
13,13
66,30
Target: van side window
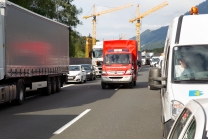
x,y
164,63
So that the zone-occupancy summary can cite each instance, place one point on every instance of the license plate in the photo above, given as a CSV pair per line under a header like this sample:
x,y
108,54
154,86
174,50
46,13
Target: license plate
x,y
70,77
115,80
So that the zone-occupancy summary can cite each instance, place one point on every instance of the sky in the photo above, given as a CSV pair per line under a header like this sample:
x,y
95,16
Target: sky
x,y
116,24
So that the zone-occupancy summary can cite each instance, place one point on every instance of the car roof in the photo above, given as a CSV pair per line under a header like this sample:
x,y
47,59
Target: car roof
x,y
74,65
202,103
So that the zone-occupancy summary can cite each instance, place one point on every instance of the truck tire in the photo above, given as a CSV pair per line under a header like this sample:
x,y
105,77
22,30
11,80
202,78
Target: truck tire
x,y
20,88
48,88
53,90
134,83
131,84
103,85
58,84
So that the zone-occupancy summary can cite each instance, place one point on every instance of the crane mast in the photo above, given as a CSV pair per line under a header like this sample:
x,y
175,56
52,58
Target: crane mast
x,y
94,14
140,16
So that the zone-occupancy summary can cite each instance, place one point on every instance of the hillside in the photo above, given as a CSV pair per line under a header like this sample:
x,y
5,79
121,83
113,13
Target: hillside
x,y
156,38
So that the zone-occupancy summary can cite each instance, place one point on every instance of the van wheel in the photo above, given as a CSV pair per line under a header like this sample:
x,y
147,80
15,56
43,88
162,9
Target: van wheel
x,y
58,84
20,88
166,126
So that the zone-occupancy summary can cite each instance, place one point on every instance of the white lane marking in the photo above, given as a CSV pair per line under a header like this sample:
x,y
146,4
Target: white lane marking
x,y
71,122
32,96
67,85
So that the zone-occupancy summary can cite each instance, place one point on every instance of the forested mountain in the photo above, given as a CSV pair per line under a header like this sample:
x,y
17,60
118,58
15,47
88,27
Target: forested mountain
x,y
156,38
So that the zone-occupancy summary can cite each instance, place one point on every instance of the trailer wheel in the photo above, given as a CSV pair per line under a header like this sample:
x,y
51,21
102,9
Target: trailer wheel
x,y
58,84
48,88
20,88
53,90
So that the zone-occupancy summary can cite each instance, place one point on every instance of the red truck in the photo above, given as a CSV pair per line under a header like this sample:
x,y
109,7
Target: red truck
x,y
120,66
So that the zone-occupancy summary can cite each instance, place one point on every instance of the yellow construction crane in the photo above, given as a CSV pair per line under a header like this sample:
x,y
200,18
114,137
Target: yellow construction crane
x,y
122,37
138,19
94,14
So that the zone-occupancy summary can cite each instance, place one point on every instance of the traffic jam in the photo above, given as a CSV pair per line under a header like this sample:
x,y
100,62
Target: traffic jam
x,y
179,75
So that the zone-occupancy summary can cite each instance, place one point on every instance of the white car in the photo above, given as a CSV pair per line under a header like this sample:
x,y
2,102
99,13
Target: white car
x,y
154,61
192,121
159,63
76,74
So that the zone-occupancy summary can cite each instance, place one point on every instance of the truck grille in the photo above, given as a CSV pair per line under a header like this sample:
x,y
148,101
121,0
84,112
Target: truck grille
x,y
116,72
115,77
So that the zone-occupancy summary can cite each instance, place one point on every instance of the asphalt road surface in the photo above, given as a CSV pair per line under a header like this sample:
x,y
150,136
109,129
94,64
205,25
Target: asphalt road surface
x,y
85,111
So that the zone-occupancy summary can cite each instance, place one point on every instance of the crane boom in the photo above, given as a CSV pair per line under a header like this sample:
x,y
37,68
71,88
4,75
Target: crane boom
x,y
122,37
108,11
150,11
138,19
94,14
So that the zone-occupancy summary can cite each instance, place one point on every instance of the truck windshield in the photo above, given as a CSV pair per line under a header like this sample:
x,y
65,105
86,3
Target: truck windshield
x,y
117,59
97,53
190,63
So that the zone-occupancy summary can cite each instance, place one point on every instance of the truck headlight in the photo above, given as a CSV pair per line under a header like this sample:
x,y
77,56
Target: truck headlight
x,y
78,74
104,72
176,108
129,71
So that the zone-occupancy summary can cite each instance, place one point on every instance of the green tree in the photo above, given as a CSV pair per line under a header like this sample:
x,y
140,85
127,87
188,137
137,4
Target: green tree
x,y
24,3
44,7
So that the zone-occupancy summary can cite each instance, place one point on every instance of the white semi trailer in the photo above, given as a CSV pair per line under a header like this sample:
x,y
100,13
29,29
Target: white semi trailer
x,y
97,57
34,53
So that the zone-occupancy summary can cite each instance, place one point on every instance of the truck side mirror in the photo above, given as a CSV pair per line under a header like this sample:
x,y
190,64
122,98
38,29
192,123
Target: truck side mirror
x,y
155,79
93,53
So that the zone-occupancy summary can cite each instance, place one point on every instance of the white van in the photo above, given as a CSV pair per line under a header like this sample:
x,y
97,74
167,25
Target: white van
x,y
186,41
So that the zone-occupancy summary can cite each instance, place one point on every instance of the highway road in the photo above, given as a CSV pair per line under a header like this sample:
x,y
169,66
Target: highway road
x,y
85,111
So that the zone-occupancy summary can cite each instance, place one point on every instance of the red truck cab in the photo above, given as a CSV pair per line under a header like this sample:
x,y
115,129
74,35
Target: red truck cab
x,y
119,63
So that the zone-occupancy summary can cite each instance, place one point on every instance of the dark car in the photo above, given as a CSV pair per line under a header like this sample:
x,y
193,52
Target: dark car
x,y
90,71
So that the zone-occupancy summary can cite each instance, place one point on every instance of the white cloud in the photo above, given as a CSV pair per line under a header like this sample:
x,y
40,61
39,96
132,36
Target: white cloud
x,y
113,24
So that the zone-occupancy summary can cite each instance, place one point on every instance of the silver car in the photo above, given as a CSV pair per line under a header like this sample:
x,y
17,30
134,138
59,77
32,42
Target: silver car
x,y
192,122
